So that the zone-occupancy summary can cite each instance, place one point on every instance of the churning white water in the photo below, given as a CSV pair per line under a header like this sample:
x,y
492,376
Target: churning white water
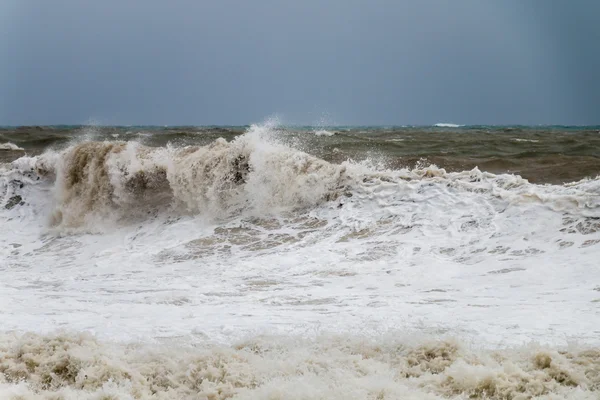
x,y
249,269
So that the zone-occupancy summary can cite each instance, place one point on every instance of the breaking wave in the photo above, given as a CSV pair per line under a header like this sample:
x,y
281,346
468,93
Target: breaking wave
x,y
252,175
323,132
291,244
98,180
447,125
70,366
10,147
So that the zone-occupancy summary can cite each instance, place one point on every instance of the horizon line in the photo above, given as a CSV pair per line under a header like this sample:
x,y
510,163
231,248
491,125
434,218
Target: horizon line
x,y
435,125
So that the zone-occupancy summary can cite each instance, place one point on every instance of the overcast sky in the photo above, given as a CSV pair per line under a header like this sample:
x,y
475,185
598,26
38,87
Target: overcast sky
x,y
344,61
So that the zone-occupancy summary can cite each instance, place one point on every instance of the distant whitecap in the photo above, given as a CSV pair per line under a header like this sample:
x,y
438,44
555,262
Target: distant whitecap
x,y
447,125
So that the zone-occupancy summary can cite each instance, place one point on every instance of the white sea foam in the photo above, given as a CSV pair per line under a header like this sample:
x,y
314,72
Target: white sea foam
x,y
327,367
10,147
323,132
526,140
447,125
251,237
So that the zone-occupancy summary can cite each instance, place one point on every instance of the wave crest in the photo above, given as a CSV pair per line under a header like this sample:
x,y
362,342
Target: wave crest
x,y
447,125
10,147
98,183
99,180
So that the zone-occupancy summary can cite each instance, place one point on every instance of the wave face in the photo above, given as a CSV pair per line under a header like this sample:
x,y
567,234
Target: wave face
x,y
99,181
549,154
200,246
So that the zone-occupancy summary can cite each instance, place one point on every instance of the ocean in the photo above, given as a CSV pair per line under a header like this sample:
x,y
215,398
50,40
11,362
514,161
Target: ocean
x,y
276,262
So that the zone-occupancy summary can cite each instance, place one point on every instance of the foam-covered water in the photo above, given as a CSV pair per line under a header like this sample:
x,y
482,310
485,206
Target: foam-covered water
x,y
236,241
328,367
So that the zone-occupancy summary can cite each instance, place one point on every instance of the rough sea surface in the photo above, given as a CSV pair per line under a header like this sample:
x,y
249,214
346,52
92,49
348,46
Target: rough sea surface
x,y
270,262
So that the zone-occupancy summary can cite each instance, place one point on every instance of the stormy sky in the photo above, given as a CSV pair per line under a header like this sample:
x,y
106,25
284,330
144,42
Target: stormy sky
x,y
312,61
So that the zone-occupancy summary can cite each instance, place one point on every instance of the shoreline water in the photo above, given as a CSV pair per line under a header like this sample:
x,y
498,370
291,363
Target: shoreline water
x,y
77,366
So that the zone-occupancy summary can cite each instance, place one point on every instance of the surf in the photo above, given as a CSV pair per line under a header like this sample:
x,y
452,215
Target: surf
x,y
252,237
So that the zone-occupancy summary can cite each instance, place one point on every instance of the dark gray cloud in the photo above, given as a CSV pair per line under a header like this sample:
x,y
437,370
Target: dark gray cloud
x,y
360,62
